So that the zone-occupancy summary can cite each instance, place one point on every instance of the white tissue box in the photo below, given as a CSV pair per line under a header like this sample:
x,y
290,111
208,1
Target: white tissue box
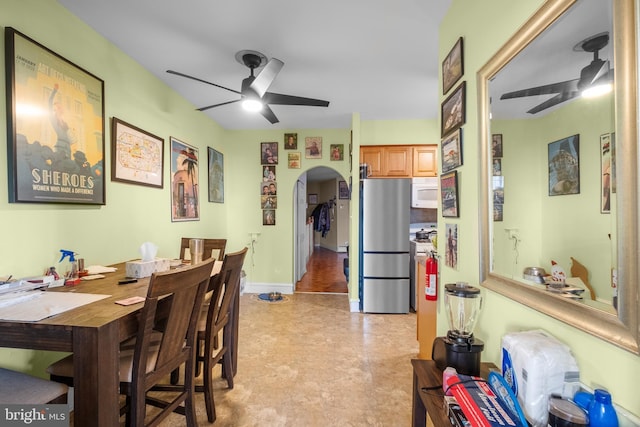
x,y
139,269
162,264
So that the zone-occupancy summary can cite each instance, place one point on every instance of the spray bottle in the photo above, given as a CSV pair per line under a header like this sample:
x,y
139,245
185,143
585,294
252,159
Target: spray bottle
x,y
72,274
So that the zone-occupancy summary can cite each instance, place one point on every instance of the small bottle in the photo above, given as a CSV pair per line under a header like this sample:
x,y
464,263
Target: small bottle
x,y
601,411
446,374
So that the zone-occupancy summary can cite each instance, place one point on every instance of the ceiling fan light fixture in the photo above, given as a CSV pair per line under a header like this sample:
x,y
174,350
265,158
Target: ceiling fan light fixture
x,y
597,90
252,105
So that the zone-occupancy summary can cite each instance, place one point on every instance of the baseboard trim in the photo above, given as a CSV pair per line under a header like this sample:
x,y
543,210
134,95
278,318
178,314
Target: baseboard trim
x,y
262,288
354,306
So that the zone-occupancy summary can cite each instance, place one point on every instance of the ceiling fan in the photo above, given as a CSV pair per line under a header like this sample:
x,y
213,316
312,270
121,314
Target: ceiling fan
x,y
594,74
253,92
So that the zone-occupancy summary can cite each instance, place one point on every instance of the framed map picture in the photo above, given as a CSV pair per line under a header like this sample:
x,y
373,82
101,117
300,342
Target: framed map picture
x,y
136,156
185,203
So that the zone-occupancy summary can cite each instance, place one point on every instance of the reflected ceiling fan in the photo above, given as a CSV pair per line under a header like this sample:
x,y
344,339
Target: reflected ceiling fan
x,y
253,92
594,74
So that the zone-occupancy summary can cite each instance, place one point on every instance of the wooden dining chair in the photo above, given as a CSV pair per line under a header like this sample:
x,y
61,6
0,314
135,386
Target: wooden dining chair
x,y
211,246
173,305
214,319
20,388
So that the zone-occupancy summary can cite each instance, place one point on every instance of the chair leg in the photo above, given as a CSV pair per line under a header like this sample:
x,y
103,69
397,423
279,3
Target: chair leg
x,y
208,388
227,368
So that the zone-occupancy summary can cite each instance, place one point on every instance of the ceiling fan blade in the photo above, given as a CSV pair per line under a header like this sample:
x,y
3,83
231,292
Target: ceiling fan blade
x,y
202,81
268,114
280,99
558,99
550,89
268,74
218,105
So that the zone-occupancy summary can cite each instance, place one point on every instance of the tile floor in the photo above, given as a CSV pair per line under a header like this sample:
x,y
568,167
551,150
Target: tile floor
x,y
308,361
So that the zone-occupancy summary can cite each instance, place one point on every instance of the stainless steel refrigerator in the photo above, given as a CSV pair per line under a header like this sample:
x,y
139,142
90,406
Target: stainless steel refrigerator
x,y
384,245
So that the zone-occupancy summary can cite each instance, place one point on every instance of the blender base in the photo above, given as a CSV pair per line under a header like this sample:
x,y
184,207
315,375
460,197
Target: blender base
x,y
464,357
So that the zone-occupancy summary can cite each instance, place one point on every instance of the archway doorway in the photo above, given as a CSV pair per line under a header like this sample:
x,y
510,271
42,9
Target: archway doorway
x,y
321,230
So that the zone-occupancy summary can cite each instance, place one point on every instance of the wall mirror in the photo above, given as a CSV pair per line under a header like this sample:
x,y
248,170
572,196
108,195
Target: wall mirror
x,y
544,198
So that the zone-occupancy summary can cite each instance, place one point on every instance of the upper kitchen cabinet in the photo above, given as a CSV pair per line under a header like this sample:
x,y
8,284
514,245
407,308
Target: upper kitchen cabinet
x,y
399,161
425,160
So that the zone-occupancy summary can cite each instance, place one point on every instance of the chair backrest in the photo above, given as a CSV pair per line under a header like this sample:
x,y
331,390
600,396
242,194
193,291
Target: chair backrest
x,y
210,246
183,291
225,288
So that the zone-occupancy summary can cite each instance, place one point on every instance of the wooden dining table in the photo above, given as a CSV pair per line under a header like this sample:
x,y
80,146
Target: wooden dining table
x,y
93,333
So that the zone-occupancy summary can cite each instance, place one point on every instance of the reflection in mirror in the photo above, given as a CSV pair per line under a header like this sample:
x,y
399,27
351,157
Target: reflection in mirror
x,y
556,150
557,157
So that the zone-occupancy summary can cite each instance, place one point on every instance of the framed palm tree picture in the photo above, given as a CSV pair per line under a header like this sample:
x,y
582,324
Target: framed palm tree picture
x,y
185,203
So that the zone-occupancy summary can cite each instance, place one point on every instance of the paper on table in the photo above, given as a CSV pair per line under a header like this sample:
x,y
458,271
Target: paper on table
x,y
49,304
99,269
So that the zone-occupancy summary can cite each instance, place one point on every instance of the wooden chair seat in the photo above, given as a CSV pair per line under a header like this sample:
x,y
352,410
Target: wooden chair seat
x,y
20,388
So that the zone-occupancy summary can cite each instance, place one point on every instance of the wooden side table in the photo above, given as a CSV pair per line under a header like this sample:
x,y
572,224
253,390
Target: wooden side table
x,y
426,374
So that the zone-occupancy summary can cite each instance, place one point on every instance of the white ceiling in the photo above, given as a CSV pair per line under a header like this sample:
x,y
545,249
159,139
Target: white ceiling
x,y
378,58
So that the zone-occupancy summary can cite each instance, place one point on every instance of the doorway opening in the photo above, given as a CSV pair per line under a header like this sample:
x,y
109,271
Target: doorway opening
x,y
321,230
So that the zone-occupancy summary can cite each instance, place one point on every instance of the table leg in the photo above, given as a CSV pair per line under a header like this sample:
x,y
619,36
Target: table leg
x,y
419,416
96,376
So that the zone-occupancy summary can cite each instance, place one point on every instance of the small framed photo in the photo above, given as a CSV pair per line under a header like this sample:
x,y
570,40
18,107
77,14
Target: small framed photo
x,y
269,153
452,151
453,110
497,187
312,199
136,156
268,202
452,67
496,145
290,141
497,167
269,217
343,190
293,160
313,147
337,151
564,166
216,176
449,194
268,173
268,188
605,172
451,253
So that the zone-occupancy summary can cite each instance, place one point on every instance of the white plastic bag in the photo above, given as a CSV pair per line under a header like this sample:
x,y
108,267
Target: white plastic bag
x,y
537,365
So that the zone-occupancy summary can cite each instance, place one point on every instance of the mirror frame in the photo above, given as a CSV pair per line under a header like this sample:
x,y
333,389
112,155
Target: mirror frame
x,y
622,330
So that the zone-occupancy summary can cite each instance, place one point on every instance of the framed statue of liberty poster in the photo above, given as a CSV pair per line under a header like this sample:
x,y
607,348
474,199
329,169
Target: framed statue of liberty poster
x,y
55,126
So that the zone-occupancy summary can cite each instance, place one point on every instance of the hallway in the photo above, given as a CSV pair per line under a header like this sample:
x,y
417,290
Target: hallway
x,y
324,272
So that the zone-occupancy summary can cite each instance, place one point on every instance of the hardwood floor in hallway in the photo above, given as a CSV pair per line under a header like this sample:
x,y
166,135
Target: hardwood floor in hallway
x,y
324,272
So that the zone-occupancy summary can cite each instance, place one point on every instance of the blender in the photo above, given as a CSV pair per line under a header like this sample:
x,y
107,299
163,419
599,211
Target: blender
x,y
460,349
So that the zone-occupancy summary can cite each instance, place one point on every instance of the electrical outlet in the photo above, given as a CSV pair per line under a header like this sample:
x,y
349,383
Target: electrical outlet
x,y
512,233
254,236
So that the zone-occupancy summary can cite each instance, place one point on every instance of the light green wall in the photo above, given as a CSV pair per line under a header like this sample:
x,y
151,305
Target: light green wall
x,y
272,261
485,27
399,132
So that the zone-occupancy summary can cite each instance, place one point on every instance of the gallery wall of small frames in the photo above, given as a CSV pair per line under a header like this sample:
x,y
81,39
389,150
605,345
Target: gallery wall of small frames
x,y
453,117
269,161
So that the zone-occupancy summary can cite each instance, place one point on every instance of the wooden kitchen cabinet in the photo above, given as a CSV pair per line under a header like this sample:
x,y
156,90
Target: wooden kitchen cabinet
x,y
388,161
425,160
400,161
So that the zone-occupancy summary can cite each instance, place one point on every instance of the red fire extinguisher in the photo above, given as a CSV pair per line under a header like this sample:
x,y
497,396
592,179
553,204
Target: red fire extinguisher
x,y
431,287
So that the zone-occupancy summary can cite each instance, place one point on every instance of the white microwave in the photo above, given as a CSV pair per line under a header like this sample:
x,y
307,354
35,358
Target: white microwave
x,y
424,192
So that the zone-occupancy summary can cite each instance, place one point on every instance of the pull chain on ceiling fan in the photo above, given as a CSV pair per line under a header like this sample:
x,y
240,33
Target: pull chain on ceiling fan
x,y
254,88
